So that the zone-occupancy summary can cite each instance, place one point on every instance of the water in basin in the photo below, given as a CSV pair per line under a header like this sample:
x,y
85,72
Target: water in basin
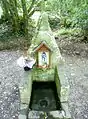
x,y
44,97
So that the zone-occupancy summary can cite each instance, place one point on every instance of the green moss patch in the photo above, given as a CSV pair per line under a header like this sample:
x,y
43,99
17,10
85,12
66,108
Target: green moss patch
x,y
39,74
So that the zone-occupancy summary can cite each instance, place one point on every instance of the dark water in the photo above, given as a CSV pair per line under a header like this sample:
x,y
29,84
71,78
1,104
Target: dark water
x,y
44,97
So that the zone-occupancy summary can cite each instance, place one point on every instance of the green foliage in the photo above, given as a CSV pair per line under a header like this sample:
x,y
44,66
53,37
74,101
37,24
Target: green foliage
x,y
46,74
3,19
72,13
54,21
65,14
18,13
70,32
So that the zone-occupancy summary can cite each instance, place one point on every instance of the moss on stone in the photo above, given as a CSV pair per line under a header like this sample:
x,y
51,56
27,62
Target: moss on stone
x,y
57,81
46,35
39,74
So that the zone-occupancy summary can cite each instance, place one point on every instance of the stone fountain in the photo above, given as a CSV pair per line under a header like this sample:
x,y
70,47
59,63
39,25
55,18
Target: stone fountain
x,y
45,92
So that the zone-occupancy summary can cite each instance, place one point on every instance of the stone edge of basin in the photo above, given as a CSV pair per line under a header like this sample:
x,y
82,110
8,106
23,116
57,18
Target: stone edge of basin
x,y
63,98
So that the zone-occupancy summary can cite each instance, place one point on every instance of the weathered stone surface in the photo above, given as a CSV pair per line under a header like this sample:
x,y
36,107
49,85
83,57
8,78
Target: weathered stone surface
x,y
57,81
23,107
25,90
35,114
23,111
22,116
66,110
57,114
64,94
43,74
45,34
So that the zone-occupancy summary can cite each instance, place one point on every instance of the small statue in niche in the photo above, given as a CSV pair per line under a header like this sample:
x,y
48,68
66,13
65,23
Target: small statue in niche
x,y
43,53
44,57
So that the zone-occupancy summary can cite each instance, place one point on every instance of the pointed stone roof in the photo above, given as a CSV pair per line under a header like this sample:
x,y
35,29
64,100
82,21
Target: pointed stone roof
x,y
40,45
45,34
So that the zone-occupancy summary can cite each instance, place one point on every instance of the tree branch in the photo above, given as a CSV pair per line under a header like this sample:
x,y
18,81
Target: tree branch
x,y
31,6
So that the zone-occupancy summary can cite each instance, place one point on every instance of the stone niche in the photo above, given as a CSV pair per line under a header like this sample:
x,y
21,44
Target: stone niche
x,y
45,91
43,53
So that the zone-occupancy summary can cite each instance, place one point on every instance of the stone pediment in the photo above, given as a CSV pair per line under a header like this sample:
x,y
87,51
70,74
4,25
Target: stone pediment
x,y
41,46
45,37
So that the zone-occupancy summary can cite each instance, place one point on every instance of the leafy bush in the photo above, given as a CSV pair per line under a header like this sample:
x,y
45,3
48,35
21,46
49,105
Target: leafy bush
x,y
70,32
3,19
54,21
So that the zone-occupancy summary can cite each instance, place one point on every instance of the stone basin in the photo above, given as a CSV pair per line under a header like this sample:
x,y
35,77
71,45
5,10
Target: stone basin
x,y
44,97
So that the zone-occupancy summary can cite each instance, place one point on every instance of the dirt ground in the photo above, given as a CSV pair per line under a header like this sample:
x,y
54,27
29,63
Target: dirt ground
x,y
72,47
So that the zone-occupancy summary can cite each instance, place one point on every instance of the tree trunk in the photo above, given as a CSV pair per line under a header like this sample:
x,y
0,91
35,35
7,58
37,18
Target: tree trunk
x,y
25,18
14,15
31,6
5,9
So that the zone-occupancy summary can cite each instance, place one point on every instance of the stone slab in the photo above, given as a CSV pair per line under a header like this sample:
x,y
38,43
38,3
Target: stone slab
x,y
35,115
22,116
56,114
66,110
